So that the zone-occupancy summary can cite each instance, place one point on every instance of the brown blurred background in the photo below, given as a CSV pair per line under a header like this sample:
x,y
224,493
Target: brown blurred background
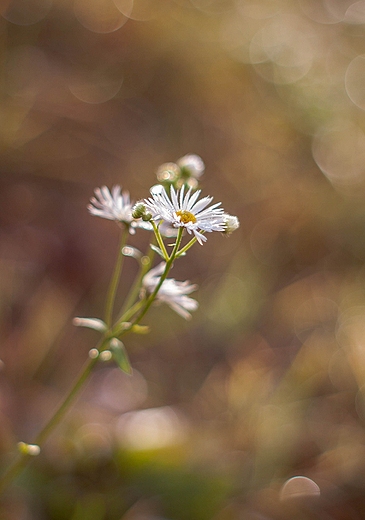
x,y
266,382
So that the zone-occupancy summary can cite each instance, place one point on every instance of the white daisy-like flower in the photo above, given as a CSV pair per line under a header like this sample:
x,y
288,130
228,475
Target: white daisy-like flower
x,y
112,205
116,205
192,164
171,292
185,210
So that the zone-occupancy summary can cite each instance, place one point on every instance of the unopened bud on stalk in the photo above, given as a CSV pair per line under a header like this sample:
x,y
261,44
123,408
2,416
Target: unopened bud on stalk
x,y
146,217
140,329
106,355
139,211
231,224
29,449
93,353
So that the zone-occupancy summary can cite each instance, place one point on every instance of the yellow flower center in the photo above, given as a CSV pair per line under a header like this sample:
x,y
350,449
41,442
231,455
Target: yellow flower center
x,y
186,216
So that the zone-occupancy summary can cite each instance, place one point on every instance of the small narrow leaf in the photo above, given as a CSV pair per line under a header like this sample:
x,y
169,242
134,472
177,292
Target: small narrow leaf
x,y
157,250
120,355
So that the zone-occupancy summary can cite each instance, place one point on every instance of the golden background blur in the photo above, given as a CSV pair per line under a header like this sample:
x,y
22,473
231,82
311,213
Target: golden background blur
x,y
266,382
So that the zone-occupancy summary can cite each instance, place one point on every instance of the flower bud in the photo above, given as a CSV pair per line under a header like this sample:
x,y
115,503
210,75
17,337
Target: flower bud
x,y
29,449
191,165
146,217
93,353
90,323
231,223
139,209
106,355
140,329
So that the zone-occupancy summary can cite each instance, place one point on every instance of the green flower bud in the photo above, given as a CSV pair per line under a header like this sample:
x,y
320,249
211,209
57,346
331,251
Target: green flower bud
x,y
138,210
146,217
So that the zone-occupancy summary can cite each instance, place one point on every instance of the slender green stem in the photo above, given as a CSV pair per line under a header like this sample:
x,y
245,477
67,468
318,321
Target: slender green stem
x,y
115,280
122,325
134,291
177,245
62,409
160,241
17,466
20,462
117,330
186,247
168,266
13,471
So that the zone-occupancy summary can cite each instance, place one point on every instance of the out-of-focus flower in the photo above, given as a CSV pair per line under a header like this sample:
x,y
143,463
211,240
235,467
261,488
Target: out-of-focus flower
x,y
171,292
168,172
187,170
231,223
112,205
185,210
116,205
191,165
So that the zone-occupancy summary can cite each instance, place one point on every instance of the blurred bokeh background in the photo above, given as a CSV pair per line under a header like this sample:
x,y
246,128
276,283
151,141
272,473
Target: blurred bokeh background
x,y
266,382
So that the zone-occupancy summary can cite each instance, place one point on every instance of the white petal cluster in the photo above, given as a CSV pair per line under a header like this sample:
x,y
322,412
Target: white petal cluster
x,y
185,210
116,205
171,292
112,205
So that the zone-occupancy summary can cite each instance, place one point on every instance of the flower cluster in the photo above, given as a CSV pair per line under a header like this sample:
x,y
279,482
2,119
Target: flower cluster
x,y
112,205
185,210
173,205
